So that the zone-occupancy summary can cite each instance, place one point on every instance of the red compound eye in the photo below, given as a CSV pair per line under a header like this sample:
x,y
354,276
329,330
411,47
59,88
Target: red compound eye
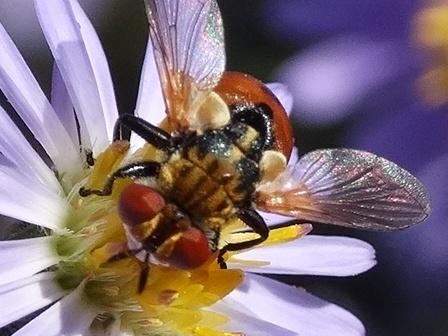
x,y
191,250
139,203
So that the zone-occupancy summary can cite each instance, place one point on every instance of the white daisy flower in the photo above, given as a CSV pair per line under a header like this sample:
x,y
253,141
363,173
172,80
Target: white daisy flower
x,y
67,268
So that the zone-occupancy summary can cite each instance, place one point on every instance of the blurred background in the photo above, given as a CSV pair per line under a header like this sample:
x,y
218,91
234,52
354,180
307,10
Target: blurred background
x,y
365,74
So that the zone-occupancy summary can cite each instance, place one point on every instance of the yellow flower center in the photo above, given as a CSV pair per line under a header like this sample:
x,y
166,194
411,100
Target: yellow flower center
x,y
172,301
431,32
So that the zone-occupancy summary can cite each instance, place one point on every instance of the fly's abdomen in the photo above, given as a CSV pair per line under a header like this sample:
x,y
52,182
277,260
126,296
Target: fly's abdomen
x,y
195,190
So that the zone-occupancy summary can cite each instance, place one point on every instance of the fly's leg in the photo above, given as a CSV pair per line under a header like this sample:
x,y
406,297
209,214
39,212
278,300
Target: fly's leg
x,y
89,157
144,266
126,253
143,274
150,133
133,170
253,220
123,253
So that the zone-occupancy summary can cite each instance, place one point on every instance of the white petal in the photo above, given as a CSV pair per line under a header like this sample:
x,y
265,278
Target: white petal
x,y
4,161
242,321
18,151
313,255
22,258
150,105
99,65
283,94
294,308
28,201
71,316
62,104
274,219
23,92
20,298
83,67
329,80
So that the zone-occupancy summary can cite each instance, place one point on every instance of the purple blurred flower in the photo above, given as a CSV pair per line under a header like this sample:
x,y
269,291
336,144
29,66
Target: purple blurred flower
x,y
361,48
368,61
377,19
334,77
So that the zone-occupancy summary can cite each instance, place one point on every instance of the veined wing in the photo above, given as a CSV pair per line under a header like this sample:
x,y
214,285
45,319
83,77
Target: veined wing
x,y
348,188
188,40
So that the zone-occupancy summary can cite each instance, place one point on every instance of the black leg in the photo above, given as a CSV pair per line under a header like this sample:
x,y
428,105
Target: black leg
x,y
125,253
133,170
260,118
89,157
143,278
152,134
143,274
252,219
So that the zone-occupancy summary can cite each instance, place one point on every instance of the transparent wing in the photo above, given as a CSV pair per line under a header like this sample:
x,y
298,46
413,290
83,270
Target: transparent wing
x,y
188,40
348,188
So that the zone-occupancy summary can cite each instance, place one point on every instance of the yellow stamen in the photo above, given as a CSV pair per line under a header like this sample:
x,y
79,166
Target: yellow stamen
x,y
431,32
106,163
210,332
434,86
